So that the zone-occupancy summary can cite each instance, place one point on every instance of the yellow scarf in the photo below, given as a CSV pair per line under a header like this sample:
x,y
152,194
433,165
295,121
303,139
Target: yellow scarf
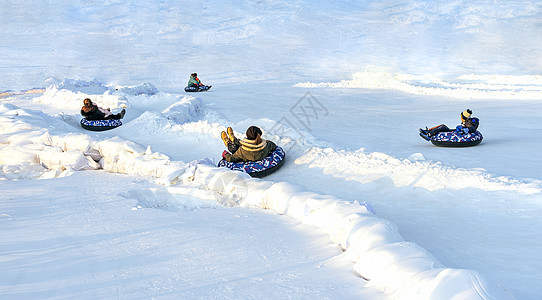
x,y
250,145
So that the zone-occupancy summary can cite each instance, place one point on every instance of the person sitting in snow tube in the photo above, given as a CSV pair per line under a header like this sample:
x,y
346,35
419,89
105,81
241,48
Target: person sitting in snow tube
x,y
463,135
99,119
195,85
253,155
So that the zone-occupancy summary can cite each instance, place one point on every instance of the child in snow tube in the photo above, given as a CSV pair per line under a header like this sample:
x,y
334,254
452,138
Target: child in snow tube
x,y
465,134
99,119
93,112
195,85
252,155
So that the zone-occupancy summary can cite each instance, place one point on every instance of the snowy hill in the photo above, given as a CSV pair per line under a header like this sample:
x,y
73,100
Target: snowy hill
x,y
162,41
362,209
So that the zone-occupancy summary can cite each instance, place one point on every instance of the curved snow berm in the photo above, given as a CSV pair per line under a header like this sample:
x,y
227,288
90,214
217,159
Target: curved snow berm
x,y
455,139
260,168
399,268
100,125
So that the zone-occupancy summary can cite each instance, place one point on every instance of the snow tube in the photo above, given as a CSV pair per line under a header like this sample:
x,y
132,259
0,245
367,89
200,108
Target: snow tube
x,y
260,168
456,139
99,125
202,88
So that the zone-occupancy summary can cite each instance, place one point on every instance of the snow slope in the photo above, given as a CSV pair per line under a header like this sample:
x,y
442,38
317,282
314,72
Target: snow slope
x,y
272,40
448,222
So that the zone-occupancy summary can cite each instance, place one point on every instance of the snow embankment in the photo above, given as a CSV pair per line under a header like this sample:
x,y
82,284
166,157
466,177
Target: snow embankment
x,y
414,171
70,94
30,150
380,255
464,87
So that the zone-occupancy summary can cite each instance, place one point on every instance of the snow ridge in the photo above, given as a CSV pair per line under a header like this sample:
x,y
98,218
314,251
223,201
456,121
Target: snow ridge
x,y
366,167
463,87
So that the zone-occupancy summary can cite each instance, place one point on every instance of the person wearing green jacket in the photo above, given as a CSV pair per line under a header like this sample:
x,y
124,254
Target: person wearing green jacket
x,y
194,81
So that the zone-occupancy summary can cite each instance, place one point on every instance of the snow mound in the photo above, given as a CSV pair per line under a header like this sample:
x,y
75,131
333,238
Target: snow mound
x,y
27,150
187,110
463,87
369,167
70,93
81,86
8,93
66,98
96,87
139,89
121,156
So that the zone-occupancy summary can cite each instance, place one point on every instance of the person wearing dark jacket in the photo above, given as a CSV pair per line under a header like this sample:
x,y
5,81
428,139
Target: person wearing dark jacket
x,y
468,125
92,111
252,148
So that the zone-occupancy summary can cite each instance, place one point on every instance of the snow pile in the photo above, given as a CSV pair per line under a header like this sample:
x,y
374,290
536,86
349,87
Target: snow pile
x,y
464,87
138,89
30,151
121,156
8,93
70,93
368,167
186,110
78,85
69,99
96,87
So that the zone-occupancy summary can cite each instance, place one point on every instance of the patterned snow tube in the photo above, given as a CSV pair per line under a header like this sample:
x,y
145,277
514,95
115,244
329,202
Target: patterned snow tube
x,y
100,125
260,168
455,139
202,88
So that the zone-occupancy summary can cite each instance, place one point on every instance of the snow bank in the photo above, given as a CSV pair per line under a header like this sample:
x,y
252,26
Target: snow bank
x,y
81,86
186,110
8,93
381,255
464,87
96,87
71,92
368,167
65,98
121,156
139,89
30,151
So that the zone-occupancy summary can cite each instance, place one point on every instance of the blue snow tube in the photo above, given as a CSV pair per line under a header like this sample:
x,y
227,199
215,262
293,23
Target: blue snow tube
x,y
260,168
202,88
456,139
100,125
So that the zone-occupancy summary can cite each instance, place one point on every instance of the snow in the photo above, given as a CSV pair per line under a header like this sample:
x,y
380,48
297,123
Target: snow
x,y
363,208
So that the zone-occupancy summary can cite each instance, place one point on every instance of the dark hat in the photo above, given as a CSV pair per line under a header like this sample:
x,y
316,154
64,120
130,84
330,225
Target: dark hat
x,y
253,132
466,114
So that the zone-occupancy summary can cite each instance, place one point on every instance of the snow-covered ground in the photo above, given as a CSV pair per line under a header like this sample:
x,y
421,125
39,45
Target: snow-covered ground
x,y
363,208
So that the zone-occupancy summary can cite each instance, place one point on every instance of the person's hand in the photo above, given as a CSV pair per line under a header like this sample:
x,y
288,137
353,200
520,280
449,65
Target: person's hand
x,y
224,153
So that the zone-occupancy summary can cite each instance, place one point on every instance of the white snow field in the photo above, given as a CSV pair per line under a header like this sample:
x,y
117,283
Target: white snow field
x,y
363,208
